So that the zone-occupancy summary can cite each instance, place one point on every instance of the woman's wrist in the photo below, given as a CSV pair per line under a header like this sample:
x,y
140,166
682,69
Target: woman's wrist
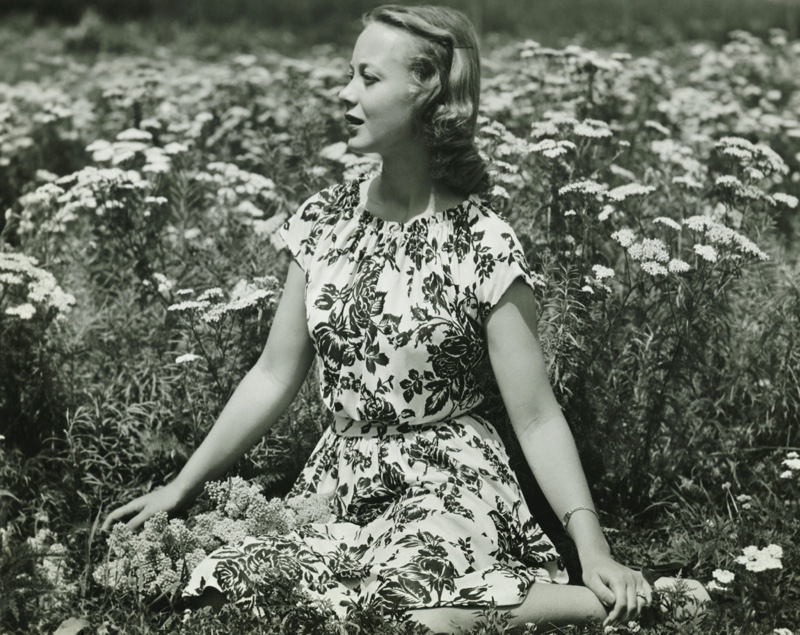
x,y
587,534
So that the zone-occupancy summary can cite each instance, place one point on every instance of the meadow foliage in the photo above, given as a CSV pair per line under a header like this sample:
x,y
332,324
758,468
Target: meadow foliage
x,y
656,198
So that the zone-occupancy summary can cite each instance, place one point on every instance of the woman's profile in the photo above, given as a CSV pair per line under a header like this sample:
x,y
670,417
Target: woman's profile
x,y
407,288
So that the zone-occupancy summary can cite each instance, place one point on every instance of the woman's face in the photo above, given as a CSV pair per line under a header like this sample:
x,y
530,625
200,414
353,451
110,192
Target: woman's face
x,y
377,101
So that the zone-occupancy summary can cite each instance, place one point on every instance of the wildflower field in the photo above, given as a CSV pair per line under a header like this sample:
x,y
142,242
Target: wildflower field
x,y
656,198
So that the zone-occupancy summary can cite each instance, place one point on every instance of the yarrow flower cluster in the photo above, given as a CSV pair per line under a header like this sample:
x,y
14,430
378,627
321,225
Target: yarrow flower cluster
x,y
237,187
755,559
158,558
706,252
785,199
601,272
258,294
668,222
623,192
792,463
99,190
31,289
552,148
624,237
51,563
649,249
720,234
746,152
134,142
722,578
585,187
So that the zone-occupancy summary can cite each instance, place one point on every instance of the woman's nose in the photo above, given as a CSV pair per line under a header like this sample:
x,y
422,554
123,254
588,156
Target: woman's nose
x,y
346,94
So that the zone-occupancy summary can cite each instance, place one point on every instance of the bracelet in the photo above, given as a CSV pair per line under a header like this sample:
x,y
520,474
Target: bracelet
x,y
568,515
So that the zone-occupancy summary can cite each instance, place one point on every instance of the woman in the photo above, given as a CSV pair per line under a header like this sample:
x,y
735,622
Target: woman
x,y
411,286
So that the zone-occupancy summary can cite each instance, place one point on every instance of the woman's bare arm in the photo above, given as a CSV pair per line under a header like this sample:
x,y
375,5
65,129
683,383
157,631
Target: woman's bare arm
x,y
549,446
259,400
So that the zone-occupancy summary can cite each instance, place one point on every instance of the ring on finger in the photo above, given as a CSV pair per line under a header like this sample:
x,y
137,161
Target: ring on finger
x,y
641,595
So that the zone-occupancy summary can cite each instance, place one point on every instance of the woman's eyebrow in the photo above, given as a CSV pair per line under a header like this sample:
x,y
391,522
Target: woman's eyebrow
x,y
364,66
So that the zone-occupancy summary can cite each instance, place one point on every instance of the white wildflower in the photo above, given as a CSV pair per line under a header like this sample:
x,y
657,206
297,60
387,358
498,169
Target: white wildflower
x,y
175,148
723,576
677,265
23,311
248,209
570,212
214,293
754,174
186,358
654,268
649,249
587,289
668,222
706,252
623,192
786,474
654,125
738,153
499,191
792,464
787,199
697,223
601,272
592,129
624,237
583,187
605,213
688,181
134,134
782,631
755,559
728,181
189,305
164,284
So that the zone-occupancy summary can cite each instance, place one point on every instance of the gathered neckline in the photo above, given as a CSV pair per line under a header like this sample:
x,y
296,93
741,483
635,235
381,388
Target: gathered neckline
x,y
363,186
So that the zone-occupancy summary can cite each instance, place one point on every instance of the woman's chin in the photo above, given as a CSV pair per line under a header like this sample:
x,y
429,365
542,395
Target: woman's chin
x,y
355,147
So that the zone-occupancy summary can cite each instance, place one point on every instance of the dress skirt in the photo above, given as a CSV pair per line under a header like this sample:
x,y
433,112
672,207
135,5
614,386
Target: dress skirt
x,y
423,516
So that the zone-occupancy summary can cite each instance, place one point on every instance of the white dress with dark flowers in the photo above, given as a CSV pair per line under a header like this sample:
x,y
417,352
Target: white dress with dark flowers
x,y
427,511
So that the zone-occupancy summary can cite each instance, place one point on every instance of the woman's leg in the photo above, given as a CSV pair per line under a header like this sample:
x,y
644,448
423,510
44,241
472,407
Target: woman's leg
x,y
554,605
546,604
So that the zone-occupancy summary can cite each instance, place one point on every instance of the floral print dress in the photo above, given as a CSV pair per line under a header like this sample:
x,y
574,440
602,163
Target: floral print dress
x,y
427,511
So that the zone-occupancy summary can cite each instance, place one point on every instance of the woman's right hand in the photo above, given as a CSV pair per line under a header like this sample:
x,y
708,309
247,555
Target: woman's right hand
x,y
164,499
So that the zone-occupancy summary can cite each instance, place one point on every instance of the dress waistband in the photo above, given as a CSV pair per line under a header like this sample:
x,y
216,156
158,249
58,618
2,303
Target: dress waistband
x,y
344,426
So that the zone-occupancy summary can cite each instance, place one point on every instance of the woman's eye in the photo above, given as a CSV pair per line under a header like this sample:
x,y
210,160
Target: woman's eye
x,y
369,79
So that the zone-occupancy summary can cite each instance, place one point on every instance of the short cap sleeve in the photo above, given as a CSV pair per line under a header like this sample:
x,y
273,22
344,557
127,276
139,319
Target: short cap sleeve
x,y
300,232
499,260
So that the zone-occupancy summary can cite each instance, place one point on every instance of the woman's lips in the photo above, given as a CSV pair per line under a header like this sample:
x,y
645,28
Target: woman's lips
x,y
353,122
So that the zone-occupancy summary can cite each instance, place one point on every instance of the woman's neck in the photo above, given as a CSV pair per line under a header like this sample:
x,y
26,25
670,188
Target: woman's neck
x,y
404,186
405,189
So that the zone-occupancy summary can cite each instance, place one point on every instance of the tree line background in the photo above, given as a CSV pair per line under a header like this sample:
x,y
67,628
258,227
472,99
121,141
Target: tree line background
x,y
633,22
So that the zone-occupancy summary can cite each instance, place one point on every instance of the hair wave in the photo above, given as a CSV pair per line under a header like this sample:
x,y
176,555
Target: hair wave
x,y
447,80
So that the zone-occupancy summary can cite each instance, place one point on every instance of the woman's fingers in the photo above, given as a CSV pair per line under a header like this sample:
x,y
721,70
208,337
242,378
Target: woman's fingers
x,y
121,512
138,520
624,594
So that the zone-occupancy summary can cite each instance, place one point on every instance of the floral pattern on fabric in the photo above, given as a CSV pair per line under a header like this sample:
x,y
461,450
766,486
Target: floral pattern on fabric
x,y
427,510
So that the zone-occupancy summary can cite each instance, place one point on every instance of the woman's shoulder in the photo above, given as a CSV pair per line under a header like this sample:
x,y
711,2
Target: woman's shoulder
x,y
484,219
332,202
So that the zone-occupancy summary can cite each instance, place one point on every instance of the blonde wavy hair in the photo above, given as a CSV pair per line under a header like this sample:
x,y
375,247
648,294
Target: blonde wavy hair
x,y
446,72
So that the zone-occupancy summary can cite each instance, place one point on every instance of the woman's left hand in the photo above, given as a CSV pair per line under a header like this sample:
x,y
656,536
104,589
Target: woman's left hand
x,y
623,591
